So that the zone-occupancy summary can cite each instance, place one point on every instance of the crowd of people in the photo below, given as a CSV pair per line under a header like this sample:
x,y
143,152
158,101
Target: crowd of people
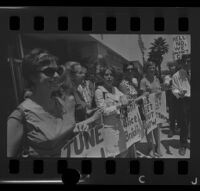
x,y
62,99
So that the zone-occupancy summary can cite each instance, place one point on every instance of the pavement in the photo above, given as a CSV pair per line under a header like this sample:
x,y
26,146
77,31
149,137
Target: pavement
x,y
169,146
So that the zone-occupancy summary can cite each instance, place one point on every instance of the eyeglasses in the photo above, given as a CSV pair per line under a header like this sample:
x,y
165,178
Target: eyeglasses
x,y
50,71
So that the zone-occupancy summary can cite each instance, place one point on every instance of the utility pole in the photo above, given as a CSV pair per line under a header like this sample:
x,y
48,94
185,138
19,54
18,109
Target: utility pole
x,y
142,47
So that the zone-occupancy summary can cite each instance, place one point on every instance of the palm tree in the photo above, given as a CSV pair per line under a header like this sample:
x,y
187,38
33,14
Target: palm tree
x,y
158,48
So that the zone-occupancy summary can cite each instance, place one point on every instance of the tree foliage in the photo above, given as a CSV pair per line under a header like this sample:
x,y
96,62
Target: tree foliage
x,y
158,48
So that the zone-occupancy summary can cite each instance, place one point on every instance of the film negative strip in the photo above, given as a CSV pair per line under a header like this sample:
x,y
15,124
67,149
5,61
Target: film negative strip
x,y
98,96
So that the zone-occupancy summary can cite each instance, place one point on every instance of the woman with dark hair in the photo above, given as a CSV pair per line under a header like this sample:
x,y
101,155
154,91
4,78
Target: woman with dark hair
x,y
100,65
110,99
38,123
42,124
150,84
129,83
129,86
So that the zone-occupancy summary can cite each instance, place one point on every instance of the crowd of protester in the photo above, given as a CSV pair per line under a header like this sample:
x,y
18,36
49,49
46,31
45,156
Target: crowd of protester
x,y
62,99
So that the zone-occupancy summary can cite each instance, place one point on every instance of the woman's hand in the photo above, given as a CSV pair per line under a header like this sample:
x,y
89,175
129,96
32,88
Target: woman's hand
x,y
97,114
90,111
124,100
82,126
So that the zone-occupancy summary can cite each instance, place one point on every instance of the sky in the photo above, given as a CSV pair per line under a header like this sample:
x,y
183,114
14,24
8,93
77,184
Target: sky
x,y
127,45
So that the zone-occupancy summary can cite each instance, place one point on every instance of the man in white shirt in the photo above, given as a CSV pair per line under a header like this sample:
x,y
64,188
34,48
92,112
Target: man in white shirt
x,y
172,101
181,89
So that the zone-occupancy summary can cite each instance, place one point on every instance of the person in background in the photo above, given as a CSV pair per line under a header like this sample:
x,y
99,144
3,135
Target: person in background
x,y
150,84
110,99
100,65
171,99
87,89
181,89
129,84
82,92
40,125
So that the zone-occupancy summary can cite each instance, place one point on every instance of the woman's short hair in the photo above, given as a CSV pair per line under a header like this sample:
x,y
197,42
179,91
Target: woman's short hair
x,y
147,65
69,74
70,67
32,61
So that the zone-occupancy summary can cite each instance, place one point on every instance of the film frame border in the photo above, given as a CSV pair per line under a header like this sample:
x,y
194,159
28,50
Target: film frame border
x,y
99,15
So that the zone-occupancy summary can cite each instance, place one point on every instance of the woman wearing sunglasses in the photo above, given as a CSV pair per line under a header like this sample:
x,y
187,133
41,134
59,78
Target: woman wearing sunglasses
x,y
41,125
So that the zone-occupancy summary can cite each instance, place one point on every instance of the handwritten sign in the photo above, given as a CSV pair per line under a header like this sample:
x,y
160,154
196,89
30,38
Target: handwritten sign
x,y
180,46
160,106
149,111
132,124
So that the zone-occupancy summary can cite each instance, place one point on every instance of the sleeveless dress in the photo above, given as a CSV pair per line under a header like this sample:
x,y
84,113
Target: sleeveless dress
x,y
45,134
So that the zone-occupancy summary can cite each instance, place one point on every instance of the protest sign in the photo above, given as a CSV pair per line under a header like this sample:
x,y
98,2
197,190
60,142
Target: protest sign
x,y
122,131
149,111
180,46
132,124
160,106
86,144
108,139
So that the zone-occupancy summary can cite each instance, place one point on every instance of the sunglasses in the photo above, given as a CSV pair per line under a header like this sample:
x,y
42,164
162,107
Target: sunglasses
x,y
50,72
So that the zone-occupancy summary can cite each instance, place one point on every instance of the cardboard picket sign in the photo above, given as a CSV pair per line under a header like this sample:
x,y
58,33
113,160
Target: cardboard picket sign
x,y
108,139
160,106
132,124
149,111
180,46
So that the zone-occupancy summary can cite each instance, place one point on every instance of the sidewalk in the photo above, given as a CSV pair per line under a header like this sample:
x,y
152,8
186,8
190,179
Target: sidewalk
x,y
169,146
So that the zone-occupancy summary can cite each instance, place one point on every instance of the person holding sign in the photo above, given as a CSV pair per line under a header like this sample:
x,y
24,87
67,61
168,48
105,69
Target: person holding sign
x,y
150,84
43,123
181,89
110,99
129,86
